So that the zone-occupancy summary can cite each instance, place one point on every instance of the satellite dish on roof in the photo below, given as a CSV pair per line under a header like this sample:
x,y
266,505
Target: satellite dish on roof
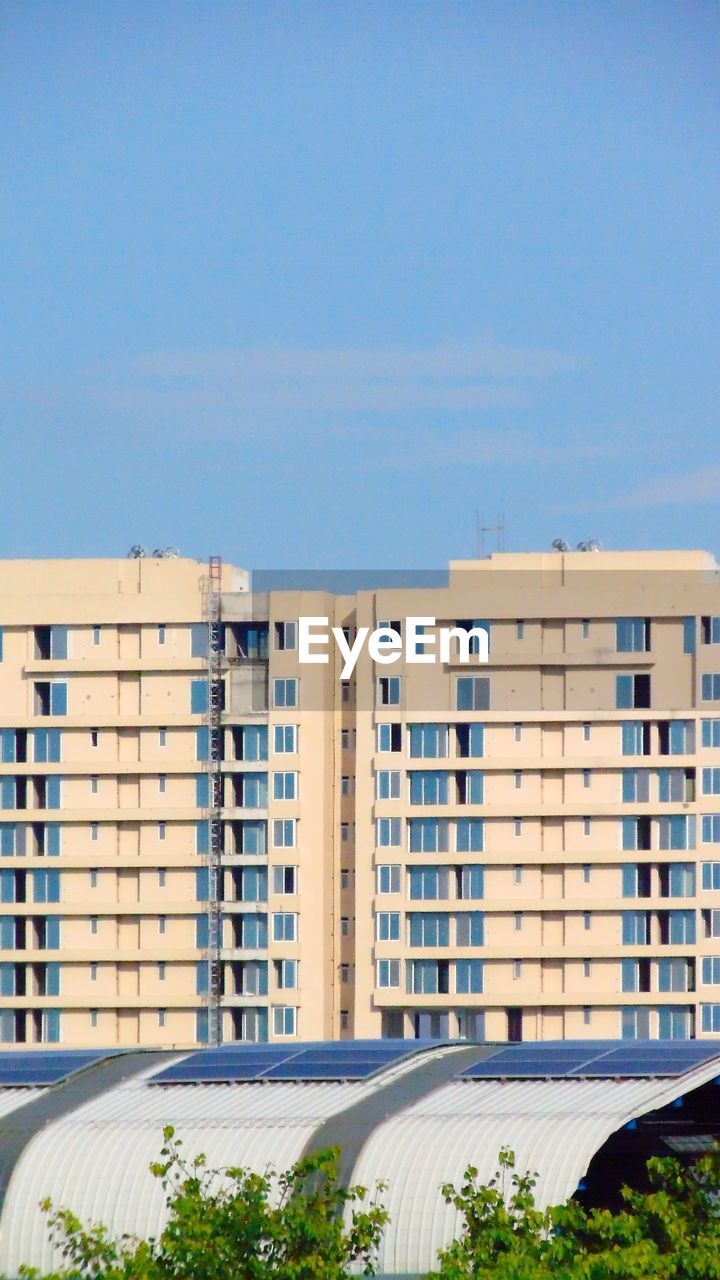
x,y
136,552
559,544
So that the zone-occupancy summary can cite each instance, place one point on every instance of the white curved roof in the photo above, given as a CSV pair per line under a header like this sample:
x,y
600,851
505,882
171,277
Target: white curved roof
x,y
95,1160
13,1099
554,1128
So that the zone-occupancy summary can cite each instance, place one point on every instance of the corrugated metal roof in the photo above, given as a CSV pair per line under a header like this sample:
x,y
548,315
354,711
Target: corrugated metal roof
x,y
11,1099
554,1127
95,1160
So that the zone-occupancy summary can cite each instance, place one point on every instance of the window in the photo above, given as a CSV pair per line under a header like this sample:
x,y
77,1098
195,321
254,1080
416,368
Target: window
x,y
162,737
710,688
388,832
346,740
587,968
472,693
470,740
518,779
517,875
344,926
469,835
677,831
284,1020
162,829
674,974
427,835
285,635
585,629
468,977
346,786
710,733
709,630
517,921
94,786
284,786
198,697
635,1023
428,882
519,629
94,737
387,926
93,924
286,974
428,929
93,879
632,691
161,1017
635,927
284,833
517,970
586,777
51,698
711,782
388,973
285,692
285,738
93,972
428,786
96,635
710,828
93,1017
284,926
388,877
633,738
162,924
587,920
388,691
711,971
635,786
587,825
284,879
200,640
517,732
345,878
632,635
586,874
344,972
710,875
429,741
387,784
93,830
710,1017
162,877
469,928
469,882
346,829
517,826
161,633
389,737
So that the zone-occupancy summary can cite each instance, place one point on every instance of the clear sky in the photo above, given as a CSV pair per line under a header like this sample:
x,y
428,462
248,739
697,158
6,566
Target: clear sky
x,y
309,284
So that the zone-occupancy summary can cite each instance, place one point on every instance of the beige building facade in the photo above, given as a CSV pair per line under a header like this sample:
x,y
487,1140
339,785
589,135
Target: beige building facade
x,y
204,837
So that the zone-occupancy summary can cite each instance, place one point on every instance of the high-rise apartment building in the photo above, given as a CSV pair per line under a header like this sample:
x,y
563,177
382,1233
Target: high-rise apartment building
x,y
204,836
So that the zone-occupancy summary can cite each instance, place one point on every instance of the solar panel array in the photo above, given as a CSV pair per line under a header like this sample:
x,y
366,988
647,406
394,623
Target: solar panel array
x,y
563,1059
338,1060
37,1067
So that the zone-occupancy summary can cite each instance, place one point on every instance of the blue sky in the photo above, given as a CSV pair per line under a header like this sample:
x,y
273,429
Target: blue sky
x,y
309,284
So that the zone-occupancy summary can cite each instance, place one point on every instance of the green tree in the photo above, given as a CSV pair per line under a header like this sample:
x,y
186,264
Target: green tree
x,y
671,1232
232,1225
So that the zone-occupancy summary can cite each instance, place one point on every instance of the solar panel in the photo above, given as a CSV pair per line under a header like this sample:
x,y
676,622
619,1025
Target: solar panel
x,y
575,1059
37,1067
336,1060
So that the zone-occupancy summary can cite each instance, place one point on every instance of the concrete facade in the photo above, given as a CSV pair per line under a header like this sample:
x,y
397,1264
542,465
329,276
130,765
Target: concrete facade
x,y
524,848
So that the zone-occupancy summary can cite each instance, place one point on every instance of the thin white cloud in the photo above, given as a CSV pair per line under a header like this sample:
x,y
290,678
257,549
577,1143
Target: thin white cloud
x,y
672,490
486,360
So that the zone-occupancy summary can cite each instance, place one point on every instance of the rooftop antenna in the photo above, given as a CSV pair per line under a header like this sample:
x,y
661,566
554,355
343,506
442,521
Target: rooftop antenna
x,y
481,529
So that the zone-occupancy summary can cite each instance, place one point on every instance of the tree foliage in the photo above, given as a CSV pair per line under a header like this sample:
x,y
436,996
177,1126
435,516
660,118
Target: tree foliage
x,y
671,1232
